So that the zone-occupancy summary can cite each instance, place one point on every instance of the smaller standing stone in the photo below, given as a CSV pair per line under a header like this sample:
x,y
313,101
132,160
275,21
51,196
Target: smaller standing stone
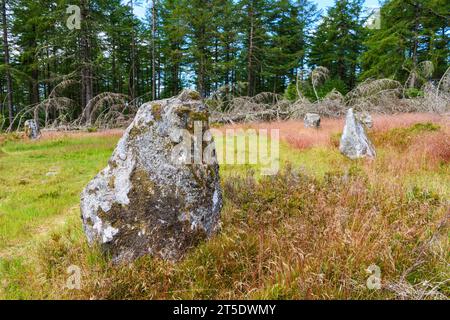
x,y
365,118
312,120
354,141
32,129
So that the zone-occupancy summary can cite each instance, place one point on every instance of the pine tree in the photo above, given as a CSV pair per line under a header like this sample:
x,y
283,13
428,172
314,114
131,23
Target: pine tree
x,y
290,23
217,46
200,20
173,33
308,15
411,31
338,41
254,23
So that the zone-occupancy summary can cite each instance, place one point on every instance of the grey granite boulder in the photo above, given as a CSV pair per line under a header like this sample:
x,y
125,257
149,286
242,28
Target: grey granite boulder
x,y
354,141
32,129
312,120
151,199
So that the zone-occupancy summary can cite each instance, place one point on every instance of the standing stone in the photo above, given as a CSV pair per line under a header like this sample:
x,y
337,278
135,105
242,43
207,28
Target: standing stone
x,y
365,118
312,120
32,129
354,142
150,200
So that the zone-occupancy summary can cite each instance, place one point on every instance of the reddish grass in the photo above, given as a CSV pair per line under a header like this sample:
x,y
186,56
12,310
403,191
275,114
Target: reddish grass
x,y
294,132
436,147
427,151
388,122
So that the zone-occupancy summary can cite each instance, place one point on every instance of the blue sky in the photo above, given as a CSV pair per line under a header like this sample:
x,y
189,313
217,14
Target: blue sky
x,y
328,3
323,4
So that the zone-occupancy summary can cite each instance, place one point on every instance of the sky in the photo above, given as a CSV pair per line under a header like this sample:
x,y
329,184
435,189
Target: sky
x,y
323,4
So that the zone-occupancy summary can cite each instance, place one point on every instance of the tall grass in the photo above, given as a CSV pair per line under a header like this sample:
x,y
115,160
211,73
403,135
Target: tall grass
x,y
290,236
309,232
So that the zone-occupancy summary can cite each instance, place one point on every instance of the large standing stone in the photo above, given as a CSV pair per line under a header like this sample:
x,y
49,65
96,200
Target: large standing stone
x,y
312,120
32,129
148,201
354,142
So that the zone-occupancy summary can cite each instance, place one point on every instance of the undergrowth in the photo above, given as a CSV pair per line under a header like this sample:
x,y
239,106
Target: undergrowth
x,y
403,137
306,233
289,236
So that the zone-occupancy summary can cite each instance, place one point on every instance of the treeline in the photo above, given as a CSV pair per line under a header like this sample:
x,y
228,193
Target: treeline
x,y
242,47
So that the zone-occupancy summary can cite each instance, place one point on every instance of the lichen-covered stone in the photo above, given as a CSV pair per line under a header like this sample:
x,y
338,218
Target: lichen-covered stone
x,y
32,129
312,120
145,203
365,118
354,141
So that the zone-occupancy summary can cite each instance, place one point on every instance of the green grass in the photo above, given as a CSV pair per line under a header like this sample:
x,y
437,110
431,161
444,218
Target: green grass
x,y
40,181
317,161
265,221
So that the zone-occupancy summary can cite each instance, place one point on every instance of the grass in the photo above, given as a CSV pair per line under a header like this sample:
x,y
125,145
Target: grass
x,y
401,138
309,232
41,181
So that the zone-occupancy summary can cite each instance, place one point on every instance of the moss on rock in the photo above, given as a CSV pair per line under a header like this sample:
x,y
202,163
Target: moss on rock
x,y
157,111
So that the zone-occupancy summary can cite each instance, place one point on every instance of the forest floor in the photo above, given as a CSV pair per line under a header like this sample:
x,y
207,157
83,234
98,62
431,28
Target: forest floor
x,y
310,232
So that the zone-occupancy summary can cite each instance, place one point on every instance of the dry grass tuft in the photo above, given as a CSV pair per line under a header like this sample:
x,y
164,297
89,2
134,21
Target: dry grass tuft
x,y
434,147
285,237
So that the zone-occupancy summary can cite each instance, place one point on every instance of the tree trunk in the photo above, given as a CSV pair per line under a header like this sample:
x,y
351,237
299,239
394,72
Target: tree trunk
x,y
86,72
9,88
154,3
227,70
250,71
34,88
415,47
132,84
113,68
